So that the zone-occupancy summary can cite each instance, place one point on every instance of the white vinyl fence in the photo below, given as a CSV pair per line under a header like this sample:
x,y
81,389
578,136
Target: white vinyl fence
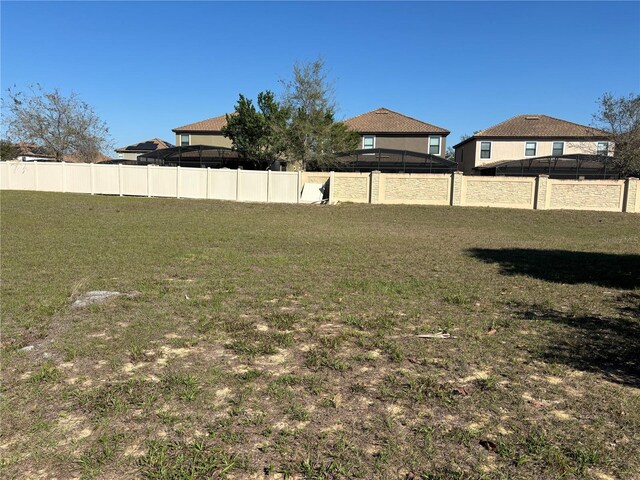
x,y
540,193
152,181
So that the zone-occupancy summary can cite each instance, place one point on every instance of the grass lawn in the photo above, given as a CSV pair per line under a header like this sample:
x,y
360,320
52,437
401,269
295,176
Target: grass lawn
x,y
282,341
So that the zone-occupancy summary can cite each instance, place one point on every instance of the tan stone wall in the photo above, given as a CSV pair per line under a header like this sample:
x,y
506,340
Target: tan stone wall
x,y
414,188
498,192
602,195
260,186
376,186
632,195
315,177
351,187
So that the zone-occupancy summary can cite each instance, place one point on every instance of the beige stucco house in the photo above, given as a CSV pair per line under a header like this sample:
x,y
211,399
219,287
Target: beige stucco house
x,y
529,136
384,128
132,152
205,132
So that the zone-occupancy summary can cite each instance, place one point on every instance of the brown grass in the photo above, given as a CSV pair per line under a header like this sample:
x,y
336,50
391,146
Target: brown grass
x,y
280,340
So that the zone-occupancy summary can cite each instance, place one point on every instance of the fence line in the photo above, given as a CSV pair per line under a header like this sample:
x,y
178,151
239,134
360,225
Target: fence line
x,y
456,189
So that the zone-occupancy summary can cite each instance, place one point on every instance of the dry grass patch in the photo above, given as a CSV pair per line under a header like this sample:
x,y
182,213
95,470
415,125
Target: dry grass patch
x,y
253,348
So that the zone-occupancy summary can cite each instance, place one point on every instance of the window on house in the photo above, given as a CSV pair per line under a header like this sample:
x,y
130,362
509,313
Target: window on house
x,y
434,145
368,141
485,149
530,149
120,155
603,148
558,149
184,139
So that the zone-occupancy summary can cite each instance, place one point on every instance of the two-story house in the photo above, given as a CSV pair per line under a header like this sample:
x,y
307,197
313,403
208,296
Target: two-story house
x,y
384,128
205,132
381,128
527,137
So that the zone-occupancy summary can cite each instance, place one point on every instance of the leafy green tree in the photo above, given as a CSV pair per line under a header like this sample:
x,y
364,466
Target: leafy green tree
x,y
258,133
620,118
313,136
8,151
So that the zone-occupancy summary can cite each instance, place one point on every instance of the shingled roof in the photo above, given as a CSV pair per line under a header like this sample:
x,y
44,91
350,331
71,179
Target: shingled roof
x,y
214,124
32,150
538,126
147,146
383,120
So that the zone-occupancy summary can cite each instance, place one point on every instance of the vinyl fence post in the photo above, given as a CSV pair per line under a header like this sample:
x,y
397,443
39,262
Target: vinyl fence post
x,y
299,189
178,181
148,180
64,179
268,186
208,194
238,184
120,179
35,175
92,186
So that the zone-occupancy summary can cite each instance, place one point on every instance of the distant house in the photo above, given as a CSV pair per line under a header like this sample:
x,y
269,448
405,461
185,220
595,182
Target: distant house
x,y
132,152
397,142
30,152
205,132
98,158
528,137
385,129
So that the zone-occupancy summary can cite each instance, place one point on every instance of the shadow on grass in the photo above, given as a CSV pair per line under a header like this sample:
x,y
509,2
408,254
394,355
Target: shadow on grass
x,y
563,266
608,345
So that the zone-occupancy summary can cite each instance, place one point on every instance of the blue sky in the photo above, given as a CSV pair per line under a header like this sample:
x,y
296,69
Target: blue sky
x,y
148,67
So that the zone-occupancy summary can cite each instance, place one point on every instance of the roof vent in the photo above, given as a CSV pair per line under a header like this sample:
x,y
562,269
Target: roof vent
x,y
530,117
381,112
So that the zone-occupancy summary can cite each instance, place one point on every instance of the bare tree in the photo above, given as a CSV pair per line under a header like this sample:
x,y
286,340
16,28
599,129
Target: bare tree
x,y
620,118
61,125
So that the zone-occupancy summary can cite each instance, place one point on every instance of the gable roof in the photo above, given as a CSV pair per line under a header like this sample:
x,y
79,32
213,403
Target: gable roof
x,y
383,120
74,158
146,146
32,150
214,124
537,126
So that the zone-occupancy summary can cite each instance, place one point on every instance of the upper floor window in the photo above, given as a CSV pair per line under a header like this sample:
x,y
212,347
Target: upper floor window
x,y
369,141
530,149
558,149
184,139
603,148
485,149
120,155
434,145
